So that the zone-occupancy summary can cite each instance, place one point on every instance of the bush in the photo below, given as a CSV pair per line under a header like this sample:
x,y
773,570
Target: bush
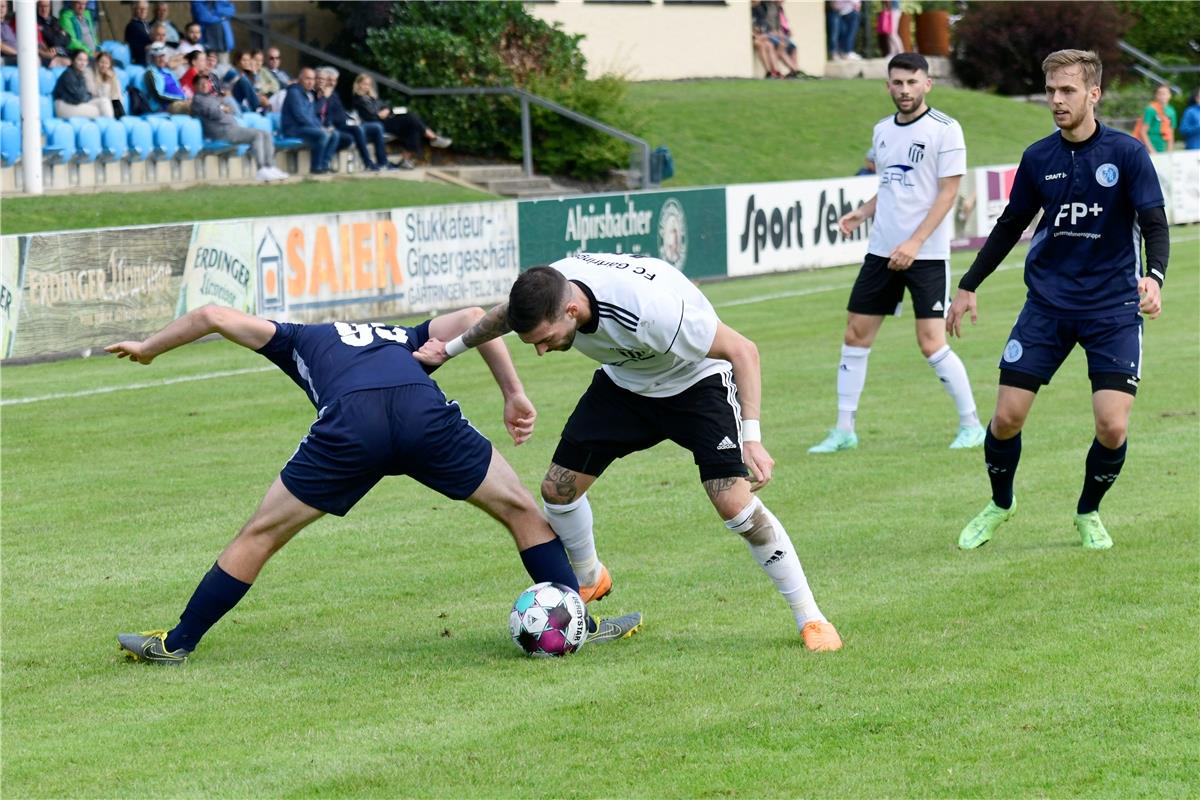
x,y
1167,31
1001,45
453,44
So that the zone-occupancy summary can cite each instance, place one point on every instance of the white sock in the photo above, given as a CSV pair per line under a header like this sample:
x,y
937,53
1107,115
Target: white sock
x,y
953,375
851,378
778,559
573,524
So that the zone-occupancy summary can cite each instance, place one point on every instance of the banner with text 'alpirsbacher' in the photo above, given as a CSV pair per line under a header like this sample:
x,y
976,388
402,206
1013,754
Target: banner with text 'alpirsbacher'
x,y
685,228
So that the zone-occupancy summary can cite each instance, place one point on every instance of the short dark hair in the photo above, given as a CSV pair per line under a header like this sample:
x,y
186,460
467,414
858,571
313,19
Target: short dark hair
x,y
909,61
194,55
536,297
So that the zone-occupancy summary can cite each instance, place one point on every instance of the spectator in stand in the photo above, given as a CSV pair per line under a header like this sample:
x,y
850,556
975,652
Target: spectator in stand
x,y
72,93
8,36
106,86
325,105
217,116
158,35
8,40
214,17
841,28
265,83
197,62
241,82
137,32
298,119
192,36
1189,126
54,43
273,60
331,111
409,129
161,12
1156,128
79,24
162,89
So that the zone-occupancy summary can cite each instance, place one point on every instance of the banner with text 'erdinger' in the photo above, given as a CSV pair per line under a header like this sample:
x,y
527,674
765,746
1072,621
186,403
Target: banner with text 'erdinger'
x,y
774,227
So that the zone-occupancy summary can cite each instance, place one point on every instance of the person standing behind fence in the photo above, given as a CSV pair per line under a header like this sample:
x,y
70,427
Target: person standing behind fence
x,y
1156,128
408,128
1189,126
841,23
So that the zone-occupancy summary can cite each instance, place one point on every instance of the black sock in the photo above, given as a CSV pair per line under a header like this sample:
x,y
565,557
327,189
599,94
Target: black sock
x,y
1001,457
1100,471
548,562
217,593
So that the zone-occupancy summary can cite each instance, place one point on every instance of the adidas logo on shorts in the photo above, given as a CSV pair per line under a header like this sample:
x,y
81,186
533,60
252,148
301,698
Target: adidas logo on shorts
x,y
726,444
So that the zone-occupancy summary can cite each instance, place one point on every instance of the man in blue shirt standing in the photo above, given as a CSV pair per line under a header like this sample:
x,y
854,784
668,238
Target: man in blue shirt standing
x,y
1099,197
378,413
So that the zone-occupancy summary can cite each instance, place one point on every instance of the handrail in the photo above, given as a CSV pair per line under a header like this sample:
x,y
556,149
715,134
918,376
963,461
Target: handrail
x,y
1154,66
526,98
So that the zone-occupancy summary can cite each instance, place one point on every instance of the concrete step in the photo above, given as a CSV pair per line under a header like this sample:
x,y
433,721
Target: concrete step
x,y
514,185
484,173
553,190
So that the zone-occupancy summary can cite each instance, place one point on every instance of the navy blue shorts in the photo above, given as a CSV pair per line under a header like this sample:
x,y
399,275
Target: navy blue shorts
x,y
1039,343
403,430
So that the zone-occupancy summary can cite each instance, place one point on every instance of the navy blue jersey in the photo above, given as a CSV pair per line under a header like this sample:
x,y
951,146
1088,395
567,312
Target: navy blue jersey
x,y
1085,258
331,360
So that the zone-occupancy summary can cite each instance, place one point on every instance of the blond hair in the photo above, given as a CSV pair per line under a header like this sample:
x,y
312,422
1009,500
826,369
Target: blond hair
x,y
1088,61
361,81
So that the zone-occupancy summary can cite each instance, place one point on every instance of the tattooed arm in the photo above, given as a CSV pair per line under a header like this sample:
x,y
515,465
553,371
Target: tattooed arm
x,y
436,352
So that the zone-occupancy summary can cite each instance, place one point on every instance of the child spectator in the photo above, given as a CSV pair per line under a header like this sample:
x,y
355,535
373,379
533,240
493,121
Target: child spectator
x,y
80,26
409,129
217,117
137,32
73,96
298,119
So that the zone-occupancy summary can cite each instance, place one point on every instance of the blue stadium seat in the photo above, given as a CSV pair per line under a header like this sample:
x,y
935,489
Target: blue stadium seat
x,y
46,110
10,107
9,79
191,136
87,142
114,140
166,139
133,76
140,138
46,80
10,143
60,140
118,50
282,142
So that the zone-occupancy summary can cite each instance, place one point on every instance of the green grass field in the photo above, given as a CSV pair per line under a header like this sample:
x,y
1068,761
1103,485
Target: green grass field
x,y
372,656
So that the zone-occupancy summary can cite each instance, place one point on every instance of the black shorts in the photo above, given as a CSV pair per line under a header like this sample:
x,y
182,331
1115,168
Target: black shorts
x,y
610,423
403,430
878,291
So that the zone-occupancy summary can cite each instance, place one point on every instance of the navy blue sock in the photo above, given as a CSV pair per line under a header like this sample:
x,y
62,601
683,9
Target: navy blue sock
x,y
1100,471
217,593
1001,457
548,562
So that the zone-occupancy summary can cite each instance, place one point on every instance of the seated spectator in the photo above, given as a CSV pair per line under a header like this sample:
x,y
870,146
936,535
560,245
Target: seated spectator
x,y
298,119
764,48
217,117
197,62
80,26
192,39
778,35
265,83
408,128
241,83
137,32
331,111
105,85
162,89
214,16
272,64
161,12
158,35
8,36
53,42
72,94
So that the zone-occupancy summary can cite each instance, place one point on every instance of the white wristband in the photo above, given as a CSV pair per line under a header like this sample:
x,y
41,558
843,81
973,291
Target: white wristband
x,y
456,347
751,431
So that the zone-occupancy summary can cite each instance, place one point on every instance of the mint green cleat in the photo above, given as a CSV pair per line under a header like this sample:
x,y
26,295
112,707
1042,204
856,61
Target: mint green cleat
x,y
980,530
836,440
968,436
1092,531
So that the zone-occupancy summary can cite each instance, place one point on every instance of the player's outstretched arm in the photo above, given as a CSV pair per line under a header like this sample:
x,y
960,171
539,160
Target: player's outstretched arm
x,y
747,374
438,350
236,326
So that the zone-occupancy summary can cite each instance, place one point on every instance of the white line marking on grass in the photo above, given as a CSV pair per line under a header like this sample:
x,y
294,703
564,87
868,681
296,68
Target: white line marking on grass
x,y
130,386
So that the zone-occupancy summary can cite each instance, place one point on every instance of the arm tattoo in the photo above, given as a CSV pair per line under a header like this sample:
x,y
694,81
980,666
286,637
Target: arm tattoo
x,y
717,486
563,481
493,324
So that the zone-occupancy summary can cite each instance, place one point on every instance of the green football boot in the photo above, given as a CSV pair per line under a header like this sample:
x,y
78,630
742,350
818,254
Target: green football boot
x,y
969,436
836,440
1092,531
980,530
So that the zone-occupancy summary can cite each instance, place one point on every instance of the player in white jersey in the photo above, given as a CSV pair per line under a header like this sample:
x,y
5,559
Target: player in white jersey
x,y
671,371
920,157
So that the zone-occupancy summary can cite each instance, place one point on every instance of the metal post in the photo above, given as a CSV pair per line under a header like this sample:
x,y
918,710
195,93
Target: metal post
x,y
28,64
646,166
526,138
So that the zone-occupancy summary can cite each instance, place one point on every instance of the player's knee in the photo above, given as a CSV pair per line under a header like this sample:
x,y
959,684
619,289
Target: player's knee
x,y
753,523
555,492
1007,422
1111,432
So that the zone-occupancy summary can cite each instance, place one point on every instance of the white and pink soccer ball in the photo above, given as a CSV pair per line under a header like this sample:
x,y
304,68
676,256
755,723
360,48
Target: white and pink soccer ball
x,y
548,620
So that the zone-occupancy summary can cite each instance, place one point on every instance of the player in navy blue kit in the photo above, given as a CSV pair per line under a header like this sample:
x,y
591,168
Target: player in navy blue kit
x,y
1099,197
378,413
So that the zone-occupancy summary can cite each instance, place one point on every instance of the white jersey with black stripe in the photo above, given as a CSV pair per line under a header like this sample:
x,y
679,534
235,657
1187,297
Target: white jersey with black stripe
x,y
653,327
910,158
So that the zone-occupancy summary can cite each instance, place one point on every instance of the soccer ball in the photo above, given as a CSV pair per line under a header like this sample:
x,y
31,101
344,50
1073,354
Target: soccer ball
x,y
548,619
